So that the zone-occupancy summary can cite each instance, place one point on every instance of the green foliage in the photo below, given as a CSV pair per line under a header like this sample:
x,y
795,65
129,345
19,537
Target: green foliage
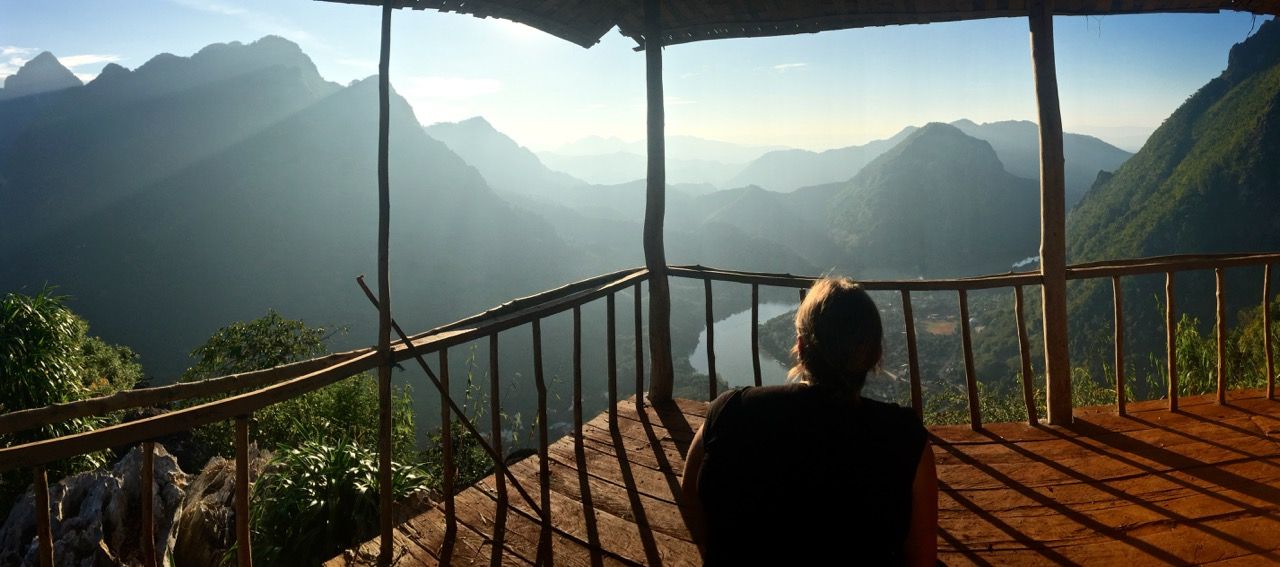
x,y
471,460
270,340
319,498
48,357
348,408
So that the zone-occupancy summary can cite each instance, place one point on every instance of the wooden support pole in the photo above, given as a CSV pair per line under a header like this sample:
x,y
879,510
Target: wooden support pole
x,y
1171,340
386,521
146,496
755,333
1118,294
1266,332
970,376
661,371
1222,336
544,467
244,547
711,339
913,357
612,350
44,527
1024,355
446,450
1053,244
639,320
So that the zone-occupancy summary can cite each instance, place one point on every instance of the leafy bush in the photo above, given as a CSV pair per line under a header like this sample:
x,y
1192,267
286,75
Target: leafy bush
x,y
319,498
347,409
48,357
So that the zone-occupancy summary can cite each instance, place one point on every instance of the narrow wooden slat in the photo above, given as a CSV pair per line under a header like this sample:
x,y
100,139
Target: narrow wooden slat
x,y
612,350
913,356
244,549
1024,354
495,414
970,377
804,282
544,473
1171,340
44,529
1222,335
446,438
146,491
1266,332
577,369
755,332
711,340
1117,292
639,320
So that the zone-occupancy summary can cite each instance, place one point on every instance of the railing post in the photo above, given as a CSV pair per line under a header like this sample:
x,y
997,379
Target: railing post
x,y
611,320
1266,332
1121,396
446,439
639,321
913,357
244,547
44,529
970,376
1171,340
1024,356
1221,326
1053,257
545,555
147,530
711,339
755,333
661,371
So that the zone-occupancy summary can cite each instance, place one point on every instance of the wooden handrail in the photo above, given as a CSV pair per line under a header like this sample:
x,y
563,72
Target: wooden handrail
x,y
789,280
1163,264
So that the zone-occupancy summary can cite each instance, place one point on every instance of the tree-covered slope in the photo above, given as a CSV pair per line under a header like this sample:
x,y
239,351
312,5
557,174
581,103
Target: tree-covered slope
x,y
938,204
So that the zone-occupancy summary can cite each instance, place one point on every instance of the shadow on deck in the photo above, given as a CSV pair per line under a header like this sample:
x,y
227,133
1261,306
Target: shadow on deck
x,y
1200,485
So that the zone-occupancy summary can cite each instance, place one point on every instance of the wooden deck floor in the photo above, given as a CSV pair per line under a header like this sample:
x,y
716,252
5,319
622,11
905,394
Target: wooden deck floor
x,y
1198,486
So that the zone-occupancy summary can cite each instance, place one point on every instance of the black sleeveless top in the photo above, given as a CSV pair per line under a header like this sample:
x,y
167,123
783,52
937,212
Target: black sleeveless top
x,y
792,475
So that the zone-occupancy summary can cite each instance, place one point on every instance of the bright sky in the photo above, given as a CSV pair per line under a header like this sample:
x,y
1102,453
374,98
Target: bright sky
x,y
1119,75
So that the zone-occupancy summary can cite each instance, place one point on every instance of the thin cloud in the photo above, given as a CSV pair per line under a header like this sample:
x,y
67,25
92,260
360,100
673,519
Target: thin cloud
x,y
254,20
448,87
73,61
784,67
15,51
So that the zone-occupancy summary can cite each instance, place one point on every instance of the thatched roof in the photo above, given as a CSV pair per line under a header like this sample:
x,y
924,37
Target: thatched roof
x,y
584,22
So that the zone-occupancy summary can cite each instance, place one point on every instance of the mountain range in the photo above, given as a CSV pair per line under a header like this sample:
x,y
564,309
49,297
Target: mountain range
x,y
43,73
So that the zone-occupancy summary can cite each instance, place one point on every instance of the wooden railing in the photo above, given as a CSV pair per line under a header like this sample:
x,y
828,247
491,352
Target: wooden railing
x,y
249,392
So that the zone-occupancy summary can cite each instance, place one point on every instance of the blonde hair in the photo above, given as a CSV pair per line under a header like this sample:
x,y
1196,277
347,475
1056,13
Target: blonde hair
x,y
838,335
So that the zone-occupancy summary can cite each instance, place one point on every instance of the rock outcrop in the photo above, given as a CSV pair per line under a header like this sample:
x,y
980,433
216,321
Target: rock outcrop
x,y
96,515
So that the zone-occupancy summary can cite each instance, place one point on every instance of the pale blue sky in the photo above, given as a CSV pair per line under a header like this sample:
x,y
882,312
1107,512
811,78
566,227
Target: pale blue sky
x,y
1118,75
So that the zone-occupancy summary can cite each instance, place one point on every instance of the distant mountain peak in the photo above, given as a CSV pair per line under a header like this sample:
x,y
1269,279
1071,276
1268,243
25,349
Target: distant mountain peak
x,y
43,73
942,145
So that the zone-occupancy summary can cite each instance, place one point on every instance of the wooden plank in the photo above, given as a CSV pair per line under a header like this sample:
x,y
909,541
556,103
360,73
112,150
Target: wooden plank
x,y
970,376
913,356
602,463
613,533
803,282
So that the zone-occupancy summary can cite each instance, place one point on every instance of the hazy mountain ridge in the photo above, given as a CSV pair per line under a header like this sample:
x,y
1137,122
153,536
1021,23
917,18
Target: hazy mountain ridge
x,y
42,74
277,212
788,170
505,165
